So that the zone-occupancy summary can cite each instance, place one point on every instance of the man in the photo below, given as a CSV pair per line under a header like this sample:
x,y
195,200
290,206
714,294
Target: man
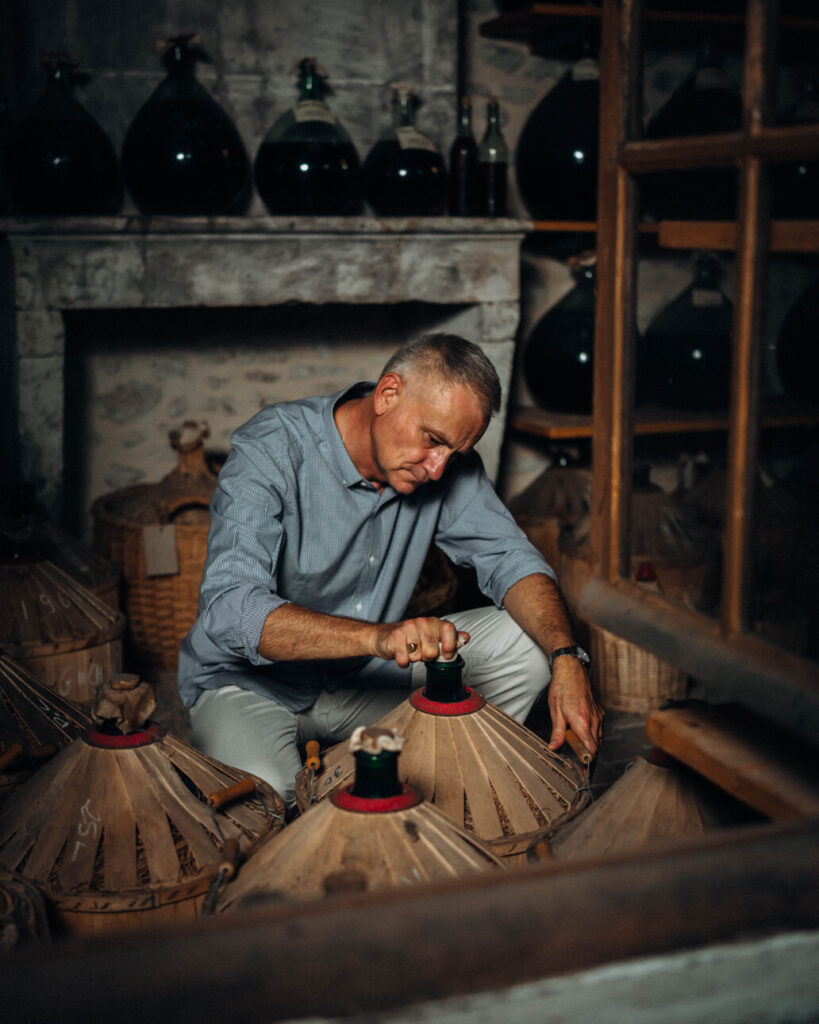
x,y
320,524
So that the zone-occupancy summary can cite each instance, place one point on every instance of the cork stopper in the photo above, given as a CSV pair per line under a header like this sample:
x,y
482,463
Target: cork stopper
x,y
124,702
373,739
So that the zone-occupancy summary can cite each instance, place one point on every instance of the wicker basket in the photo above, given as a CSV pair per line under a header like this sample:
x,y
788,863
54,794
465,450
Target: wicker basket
x,y
58,630
628,678
559,497
160,602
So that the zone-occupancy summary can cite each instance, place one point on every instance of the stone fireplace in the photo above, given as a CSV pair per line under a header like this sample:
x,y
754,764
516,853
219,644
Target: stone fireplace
x,y
120,327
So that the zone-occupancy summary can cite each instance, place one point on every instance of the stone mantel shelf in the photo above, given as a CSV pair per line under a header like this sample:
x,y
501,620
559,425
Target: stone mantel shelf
x,y
139,225
50,266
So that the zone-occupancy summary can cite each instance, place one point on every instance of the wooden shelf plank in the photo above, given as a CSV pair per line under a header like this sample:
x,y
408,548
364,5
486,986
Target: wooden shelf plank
x,y
744,756
590,226
786,235
561,426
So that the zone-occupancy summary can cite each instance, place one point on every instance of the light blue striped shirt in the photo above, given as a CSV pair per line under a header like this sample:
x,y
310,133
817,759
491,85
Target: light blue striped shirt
x,y
292,520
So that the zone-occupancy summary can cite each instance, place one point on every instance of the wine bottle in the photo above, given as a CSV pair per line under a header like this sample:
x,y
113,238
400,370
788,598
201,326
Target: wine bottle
x,y
795,186
463,165
307,163
493,161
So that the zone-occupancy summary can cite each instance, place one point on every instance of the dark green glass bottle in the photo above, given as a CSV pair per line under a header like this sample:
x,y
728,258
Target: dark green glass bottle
x,y
376,775
404,174
59,159
463,165
182,154
493,163
445,681
307,163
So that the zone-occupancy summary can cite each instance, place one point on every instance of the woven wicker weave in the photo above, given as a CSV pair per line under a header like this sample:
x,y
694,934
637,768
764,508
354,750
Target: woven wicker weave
x,y
160,608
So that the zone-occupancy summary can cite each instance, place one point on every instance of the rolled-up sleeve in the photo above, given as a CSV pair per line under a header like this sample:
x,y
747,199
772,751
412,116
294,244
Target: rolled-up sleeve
x,y
238,589
476,529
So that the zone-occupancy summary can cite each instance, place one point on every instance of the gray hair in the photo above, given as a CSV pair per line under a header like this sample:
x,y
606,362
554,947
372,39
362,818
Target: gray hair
x,y
453,360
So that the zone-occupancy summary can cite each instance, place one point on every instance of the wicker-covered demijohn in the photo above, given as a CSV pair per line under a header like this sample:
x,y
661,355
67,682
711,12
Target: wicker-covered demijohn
x,y
128,827
484,770
57,629
656,799
157,535
371,835
35,722
35,534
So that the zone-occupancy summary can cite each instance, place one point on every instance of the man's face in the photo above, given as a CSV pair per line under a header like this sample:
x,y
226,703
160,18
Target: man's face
x,y
419,425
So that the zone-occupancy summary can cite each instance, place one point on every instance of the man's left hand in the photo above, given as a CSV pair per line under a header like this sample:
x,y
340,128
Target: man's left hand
x,y
572,706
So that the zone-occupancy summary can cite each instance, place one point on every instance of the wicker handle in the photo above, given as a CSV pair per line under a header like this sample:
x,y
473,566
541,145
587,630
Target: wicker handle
x,y
313,758
230,858
231,793
173,508
10,756
579,748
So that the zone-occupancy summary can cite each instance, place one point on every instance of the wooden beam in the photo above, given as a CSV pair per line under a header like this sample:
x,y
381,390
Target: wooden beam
x,y
369,953
743,755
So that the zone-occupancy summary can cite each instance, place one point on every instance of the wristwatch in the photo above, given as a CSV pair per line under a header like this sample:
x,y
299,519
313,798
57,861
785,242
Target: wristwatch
x,y
574,651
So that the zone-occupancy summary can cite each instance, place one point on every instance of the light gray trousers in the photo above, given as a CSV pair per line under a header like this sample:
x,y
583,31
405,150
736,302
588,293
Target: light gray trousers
x,y
258,735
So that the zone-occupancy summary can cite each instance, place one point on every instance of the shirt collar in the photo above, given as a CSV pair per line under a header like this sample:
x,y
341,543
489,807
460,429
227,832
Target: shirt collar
x,y
350,477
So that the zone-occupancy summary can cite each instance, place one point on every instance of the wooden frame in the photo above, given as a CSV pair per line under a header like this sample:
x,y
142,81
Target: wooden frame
x,y
617,605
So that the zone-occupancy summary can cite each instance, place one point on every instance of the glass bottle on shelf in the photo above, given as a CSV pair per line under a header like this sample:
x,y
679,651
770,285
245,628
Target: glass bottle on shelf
x,y
795,186
557,154
558,361
796,346
685,356
463,164
182,154
404,173
60,161
493,162
307,163
704,103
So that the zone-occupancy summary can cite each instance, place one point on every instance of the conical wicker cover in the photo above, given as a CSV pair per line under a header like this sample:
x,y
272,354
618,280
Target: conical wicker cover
x,y
332,848
649,802
485,771
115,836
33,719
161,608
59,630
54,544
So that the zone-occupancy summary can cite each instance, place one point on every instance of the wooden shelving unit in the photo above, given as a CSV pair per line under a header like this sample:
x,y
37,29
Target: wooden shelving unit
x,y
555,426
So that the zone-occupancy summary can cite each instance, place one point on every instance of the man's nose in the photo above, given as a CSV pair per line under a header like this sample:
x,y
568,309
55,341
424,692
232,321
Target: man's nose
x,y
435,463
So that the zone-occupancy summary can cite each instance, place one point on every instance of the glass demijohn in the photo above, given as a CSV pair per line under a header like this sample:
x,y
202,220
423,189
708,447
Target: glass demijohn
x,y
404,173
307,163
182,154
59,159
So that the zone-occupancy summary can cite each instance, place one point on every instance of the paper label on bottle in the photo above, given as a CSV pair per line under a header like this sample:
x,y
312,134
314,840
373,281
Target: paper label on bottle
x,y
586,70
159,542
313,110
411,138
710,78
706,297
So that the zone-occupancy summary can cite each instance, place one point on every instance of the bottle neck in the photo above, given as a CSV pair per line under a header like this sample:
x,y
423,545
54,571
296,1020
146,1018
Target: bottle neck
x,y
376,775
445,681
403,110
310,83
464,125
493,146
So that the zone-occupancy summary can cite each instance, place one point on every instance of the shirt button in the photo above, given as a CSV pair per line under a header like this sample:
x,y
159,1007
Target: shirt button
x,y
372,559
359,606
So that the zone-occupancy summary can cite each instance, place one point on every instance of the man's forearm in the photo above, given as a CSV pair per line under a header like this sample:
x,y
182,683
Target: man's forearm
x,y
295,633
535,603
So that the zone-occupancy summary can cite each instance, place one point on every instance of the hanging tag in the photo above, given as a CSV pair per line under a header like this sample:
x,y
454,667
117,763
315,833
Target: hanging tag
x,y
161,558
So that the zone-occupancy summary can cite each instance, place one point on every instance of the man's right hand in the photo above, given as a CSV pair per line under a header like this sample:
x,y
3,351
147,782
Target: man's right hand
x,y
420,639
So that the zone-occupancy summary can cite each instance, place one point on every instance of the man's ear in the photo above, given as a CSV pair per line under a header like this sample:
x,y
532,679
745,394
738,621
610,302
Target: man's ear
x,y
388,391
